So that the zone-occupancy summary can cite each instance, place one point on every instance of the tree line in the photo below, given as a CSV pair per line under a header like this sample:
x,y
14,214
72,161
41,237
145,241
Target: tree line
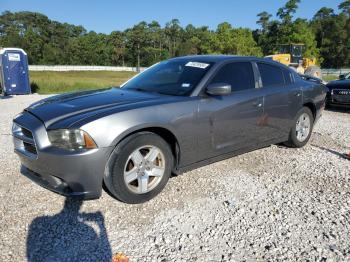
x,y
326,37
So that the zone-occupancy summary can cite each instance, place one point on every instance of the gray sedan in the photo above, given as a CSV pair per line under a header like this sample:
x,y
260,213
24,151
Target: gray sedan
x,y
175,116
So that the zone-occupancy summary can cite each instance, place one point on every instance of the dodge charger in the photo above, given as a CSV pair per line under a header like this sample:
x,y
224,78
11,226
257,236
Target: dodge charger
x,y
175,116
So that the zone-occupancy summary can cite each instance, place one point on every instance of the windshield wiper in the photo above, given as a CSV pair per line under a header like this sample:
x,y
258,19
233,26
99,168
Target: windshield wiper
x,y
145,90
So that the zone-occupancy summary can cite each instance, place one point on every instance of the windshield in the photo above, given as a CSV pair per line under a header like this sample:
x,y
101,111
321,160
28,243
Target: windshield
x,y
297,51
170,78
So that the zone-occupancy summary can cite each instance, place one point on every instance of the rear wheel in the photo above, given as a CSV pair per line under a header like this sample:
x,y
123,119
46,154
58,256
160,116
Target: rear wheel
x,y
302,128
140,168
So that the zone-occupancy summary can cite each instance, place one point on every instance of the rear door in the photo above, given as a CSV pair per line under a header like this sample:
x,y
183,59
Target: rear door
x,y
232,120
282,99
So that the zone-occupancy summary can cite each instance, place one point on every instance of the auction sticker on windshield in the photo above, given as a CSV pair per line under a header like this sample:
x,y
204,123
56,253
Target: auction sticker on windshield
x,y
197,64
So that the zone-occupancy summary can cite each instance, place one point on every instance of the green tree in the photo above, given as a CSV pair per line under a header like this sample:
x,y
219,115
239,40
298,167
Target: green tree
x,y
285,31
332,33
137,42
236,41
117,44
264,20
286,12
173,31
326,36
195,41
345,7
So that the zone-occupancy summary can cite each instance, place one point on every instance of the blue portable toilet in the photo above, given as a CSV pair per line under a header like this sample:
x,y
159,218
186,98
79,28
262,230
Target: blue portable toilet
x,y
14,78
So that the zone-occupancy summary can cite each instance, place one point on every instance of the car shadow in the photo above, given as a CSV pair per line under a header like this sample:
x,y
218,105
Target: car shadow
x,y
69,236
5,97
342,155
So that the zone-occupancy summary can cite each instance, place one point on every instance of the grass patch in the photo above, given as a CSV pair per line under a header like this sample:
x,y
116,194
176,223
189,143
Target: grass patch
x,y
328,78
47,82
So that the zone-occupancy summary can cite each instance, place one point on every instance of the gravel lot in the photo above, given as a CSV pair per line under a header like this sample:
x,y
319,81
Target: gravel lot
x,y
271,204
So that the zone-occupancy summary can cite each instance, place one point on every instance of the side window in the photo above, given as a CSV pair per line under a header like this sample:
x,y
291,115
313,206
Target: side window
x,y
271,75
239,75
288,78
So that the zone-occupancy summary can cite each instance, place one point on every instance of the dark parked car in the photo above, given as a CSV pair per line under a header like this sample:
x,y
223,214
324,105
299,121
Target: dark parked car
x,y
177,115
343,77
339,92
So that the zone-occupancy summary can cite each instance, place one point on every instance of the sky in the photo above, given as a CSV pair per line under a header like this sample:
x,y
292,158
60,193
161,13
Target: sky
x,y
104,16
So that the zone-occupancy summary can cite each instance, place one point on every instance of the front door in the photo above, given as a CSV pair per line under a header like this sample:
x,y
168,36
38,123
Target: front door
x,y
233,121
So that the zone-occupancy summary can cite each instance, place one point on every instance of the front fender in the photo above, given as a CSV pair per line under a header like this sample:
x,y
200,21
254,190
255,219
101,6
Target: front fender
x,y
179,118
110,130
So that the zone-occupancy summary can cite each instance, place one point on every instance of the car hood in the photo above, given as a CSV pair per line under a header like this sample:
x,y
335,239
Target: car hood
x,y
343,84
76,105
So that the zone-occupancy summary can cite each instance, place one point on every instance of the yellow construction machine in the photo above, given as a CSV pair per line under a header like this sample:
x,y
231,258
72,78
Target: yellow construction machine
x,y
292,55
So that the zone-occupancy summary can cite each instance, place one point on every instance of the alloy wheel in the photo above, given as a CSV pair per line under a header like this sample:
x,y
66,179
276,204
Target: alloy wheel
x,y
144,169
302,128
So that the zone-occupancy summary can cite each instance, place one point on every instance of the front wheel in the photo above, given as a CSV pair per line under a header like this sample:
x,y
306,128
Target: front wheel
x,y
2,91
140,168
302,128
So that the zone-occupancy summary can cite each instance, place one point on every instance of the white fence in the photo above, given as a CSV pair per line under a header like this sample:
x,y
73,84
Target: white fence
x,y
336,72
325,71
82,68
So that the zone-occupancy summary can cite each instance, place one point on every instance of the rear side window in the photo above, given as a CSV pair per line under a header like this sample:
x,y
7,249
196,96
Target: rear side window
x,y
288,78
271,75
239,75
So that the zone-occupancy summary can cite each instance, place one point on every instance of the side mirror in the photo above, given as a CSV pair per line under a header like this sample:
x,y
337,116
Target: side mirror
x,y
341,77
219,89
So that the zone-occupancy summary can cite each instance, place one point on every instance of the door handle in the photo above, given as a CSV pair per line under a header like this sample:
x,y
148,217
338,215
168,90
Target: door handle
x,y
257,104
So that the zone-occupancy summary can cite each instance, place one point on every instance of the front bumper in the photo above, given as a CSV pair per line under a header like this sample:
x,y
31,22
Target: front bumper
x,y
335,99
73,174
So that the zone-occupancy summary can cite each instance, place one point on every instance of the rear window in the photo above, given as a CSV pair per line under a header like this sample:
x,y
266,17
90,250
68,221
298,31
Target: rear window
x,y
271,75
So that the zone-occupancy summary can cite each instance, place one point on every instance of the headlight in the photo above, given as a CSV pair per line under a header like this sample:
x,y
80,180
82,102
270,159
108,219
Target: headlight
x,y
72,139
15,128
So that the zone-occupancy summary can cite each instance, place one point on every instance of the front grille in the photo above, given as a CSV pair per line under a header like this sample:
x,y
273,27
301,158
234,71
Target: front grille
x,y
30,148
341,96
24,141
27,133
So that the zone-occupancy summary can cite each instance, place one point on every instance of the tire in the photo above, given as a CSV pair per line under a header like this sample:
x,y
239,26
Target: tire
x,y
328,105
295,138
2,91
131,160
314,71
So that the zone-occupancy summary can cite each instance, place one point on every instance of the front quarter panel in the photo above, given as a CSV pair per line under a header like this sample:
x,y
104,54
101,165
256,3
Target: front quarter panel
x,y
178,118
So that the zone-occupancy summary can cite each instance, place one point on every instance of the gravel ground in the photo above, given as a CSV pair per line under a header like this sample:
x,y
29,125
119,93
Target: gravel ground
x,y
275,203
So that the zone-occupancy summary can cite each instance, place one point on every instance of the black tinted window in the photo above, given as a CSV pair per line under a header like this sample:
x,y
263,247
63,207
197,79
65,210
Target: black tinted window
x,y
271,75
239,75
287,77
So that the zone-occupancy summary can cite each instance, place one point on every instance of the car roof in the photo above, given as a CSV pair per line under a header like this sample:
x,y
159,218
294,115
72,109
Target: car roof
x,y
222,58
209,58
